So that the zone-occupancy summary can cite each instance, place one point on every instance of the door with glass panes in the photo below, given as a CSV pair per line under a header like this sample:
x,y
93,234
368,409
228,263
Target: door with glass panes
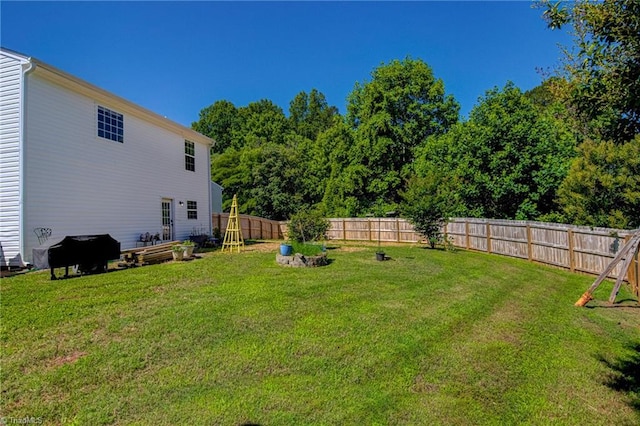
x,y
167,219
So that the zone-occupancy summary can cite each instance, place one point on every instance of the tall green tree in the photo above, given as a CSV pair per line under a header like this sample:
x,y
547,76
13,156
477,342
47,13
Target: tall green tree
x,y
603,66
218,121
505,162
603,186
390,116
333,163
602,89
260,123
232,170
310,114
277,181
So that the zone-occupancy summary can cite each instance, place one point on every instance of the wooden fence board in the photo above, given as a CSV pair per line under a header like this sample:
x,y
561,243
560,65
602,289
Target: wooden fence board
x,y
550,255
509,233
510,248
478,243
553,237
455,228
252,227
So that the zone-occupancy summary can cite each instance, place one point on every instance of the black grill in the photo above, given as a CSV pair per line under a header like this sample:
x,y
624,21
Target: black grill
x,y
90,253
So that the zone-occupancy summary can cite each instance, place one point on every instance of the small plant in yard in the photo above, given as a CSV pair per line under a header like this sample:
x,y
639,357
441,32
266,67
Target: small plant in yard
x,y
425,208
448,244
178,252
188,247
308,225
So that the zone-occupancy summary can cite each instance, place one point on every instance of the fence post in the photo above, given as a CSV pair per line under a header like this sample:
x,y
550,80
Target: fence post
x,y
636,274
466,232
529,243
369,224
344,230
572,261
398,228
488,237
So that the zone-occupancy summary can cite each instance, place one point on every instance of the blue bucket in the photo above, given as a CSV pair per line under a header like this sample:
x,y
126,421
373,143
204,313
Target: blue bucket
x,y
286,249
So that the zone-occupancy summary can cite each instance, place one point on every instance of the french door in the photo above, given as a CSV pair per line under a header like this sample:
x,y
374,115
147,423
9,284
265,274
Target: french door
x,y
167,219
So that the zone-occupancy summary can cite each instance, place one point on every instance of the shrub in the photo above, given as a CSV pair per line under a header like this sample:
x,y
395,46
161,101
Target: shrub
x,y
308,226
425,207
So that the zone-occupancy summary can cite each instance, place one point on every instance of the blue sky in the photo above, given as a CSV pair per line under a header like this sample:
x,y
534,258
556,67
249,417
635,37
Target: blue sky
x,y
175,58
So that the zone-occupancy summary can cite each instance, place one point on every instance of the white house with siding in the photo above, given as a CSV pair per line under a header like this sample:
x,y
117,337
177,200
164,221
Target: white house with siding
x,y
79,160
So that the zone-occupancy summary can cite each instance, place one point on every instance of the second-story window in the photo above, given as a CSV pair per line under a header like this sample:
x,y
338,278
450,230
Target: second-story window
x,y
110,124
189,156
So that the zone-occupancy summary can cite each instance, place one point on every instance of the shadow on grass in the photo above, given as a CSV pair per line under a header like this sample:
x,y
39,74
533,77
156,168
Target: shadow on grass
x,y
440,248
625,376
620,304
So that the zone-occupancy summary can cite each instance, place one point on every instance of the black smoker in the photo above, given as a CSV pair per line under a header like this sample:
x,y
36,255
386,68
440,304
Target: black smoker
x,y
90,252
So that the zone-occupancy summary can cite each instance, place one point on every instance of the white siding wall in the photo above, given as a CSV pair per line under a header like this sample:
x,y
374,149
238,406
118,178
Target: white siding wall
x,y
216,198
10,104
78,183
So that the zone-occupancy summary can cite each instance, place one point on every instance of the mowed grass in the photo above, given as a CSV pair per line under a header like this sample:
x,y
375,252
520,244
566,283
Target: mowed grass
x,y
428,337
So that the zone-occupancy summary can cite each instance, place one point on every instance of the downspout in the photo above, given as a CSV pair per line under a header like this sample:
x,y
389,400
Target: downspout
x,y
30,66
210,221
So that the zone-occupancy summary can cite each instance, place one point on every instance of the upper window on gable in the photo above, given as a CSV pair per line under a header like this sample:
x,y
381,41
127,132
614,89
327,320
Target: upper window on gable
x,y
189,156
110,124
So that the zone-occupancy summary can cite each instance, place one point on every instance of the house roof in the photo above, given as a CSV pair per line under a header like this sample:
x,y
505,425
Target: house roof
x,y
78,85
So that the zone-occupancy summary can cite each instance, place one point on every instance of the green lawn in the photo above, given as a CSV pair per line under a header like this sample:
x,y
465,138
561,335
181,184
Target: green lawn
x,y
428,337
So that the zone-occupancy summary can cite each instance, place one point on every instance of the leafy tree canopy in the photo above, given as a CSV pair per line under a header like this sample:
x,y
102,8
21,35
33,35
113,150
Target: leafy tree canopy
x,y
310,114
390,116
506,161
603,68
603,185
218,122
260,123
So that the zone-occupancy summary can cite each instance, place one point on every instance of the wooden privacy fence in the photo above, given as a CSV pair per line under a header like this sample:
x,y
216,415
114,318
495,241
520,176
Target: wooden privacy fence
x,y
252,227
577,248
373,229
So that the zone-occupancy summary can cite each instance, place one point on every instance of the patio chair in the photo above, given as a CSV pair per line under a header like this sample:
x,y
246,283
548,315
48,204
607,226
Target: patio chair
x,y
43,234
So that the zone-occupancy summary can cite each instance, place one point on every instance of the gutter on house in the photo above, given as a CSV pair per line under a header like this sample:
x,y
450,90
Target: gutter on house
x,y
30,66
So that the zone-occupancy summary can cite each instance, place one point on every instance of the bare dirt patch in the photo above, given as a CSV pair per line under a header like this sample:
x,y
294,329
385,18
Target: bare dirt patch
x,y
262,246
67,359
